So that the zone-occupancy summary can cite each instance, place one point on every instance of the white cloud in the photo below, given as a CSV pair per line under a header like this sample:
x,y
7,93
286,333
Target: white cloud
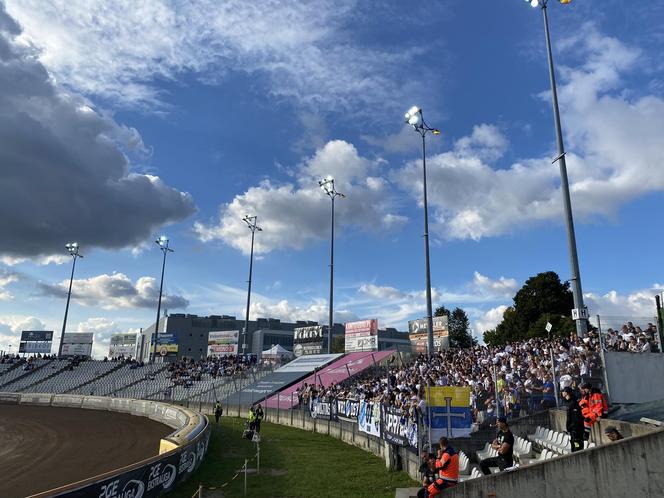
x,y
6,278
615,308
41,260
116,291
489,319
614,145
11,327
295,215
316,311
501,288
119,49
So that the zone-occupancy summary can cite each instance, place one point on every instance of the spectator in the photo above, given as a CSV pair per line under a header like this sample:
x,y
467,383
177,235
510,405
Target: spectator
x,y
259,418
448,467
428,472
613,434
218,411
504,445
574,423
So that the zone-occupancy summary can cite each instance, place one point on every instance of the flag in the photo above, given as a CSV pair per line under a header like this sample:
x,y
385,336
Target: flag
x,y
448,412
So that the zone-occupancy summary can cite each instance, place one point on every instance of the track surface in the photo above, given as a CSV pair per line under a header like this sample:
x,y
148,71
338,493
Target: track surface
x,y
44,447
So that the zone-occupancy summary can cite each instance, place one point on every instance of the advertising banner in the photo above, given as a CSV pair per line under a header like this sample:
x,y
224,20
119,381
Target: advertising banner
x,y
122,345
150,480
323,410
223,343
37,335
348,409
368,419
448,412
36,341
396,427
77,344
362,336
167,344
418,333
308,340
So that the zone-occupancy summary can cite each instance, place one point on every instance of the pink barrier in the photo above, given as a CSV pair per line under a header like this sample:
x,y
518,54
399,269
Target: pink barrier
x,y
336,372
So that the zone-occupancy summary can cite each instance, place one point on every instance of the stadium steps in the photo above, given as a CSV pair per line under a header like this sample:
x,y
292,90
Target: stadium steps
x,y
96,379
40,381
21,377
12,367
136,382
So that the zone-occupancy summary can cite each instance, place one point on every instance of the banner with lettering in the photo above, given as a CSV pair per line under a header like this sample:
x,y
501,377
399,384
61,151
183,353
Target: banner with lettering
x,y
368,419
397,428
348,409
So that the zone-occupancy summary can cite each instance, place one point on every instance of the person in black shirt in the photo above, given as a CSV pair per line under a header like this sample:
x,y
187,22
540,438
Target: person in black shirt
x,y
574,424
259,418
428,472
504,445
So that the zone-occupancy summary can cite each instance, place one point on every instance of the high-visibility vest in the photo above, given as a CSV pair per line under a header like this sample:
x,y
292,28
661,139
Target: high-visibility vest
x,y
449,465
597,404
589,417
252,416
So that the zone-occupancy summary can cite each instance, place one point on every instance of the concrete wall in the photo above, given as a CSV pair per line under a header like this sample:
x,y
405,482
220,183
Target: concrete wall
x,y
557,419
634,377
631,467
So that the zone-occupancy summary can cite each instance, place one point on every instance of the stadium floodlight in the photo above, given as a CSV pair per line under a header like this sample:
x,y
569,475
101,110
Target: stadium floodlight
x,y
580,313
251,222
73,249
415,118
163,244
327,185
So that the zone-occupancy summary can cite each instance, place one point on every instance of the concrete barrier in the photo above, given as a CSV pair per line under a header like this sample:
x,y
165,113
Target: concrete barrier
x,y
630,467
67,401
10,398
36,399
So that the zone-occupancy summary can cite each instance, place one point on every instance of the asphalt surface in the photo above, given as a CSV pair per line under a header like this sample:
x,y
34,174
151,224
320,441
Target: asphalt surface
x,y
42,448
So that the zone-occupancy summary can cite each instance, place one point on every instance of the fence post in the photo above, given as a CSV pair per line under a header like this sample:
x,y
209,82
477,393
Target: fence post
x,y
245,476
291,410
200,491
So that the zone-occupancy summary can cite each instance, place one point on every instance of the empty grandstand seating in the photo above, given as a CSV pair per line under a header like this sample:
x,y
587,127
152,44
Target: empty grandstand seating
x,y
557,443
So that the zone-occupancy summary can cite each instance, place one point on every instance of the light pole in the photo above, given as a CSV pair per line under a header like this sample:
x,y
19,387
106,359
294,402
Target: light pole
x,y
73,252
327,184
162,242
577,292
251,223
415,118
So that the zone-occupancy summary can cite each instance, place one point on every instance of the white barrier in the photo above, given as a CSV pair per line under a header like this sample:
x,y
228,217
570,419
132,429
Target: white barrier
x,y
67,401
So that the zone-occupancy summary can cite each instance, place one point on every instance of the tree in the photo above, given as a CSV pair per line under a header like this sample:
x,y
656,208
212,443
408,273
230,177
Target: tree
x,y
542,298
459,327
338,344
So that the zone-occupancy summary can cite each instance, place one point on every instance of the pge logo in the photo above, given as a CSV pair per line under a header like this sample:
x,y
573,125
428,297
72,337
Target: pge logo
x,y
132,489
164,476
187,461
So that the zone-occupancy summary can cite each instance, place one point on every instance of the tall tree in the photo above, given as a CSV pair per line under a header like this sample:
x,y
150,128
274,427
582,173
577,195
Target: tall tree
x,y
542,298
460,336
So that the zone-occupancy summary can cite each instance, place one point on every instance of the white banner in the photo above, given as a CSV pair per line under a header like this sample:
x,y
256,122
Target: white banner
x,y
361,343
368,420
78,338
76,349
223,343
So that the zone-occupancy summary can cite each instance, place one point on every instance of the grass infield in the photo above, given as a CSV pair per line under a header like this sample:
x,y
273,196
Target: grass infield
x,y
294,463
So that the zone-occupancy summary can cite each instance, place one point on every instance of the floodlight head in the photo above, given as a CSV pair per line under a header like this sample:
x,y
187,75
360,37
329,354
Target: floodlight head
x,y
534,3
414,116
162,241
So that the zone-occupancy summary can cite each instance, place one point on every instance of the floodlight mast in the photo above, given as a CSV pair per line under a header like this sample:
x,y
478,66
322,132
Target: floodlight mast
x,y
327,185
251,222
163,244
577,291
415,118
73,249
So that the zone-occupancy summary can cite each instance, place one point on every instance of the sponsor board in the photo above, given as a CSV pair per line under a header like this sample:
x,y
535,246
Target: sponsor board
x,y
37,335
308,340
368,418
362,327
151,480
35,347
396,428
78,338
361,343
122,345
76,349
348,409
361,336
223,343
167,344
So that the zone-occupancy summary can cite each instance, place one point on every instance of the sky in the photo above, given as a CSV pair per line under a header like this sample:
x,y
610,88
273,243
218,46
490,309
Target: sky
x,y
124,121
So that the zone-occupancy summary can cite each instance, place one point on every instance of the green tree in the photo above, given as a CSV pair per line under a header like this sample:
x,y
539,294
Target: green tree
x,y
459,327
542,298
338,344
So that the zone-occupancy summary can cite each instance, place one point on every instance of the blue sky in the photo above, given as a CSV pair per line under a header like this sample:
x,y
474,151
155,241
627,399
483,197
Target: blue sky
x,y
151,118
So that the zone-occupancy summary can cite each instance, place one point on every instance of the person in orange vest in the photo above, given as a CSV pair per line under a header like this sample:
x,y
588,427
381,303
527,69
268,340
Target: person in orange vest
x,y
589,414
598,403
447,467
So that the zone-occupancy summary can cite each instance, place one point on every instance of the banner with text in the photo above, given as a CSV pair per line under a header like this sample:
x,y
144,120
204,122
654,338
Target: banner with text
x,y
361,336
122,345
368,419
308,340
77,344
418,333
397,428
36,341
348,409
167,344
223,343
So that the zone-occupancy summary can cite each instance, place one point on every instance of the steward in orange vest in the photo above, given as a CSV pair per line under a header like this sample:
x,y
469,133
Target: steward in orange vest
x,y
448,467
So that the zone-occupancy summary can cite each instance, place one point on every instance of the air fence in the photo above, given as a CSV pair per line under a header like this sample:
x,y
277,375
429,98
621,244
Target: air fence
x,y
181,452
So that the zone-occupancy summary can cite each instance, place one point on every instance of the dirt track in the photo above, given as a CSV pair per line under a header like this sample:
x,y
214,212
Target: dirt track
x,y
44,447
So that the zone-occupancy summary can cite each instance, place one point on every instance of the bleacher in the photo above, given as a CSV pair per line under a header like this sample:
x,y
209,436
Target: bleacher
x,y
67,380
19,378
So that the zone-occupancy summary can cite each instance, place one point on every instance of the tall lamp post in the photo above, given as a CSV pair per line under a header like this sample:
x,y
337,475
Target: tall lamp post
x,y
251,223
73,248
327,184
415,118
162,242
581,313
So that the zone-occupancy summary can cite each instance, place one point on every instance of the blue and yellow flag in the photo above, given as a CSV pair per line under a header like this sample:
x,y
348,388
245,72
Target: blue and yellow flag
x,y
448,412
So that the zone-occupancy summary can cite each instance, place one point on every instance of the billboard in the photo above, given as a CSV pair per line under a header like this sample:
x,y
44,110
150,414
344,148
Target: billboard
x,y
308,340
418,333
167,344
36,341
361,336
223,343
77,344
122,345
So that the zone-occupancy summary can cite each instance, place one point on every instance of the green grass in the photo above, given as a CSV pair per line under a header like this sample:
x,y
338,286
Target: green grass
x,y
294,463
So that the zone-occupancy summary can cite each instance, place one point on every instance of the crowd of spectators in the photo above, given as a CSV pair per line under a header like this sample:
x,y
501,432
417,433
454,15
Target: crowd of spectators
x,y
632,339
187,371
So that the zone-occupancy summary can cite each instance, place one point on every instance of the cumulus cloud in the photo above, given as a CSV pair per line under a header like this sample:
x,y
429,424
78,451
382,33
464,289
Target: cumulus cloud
x,y
11,327
303,49
6,277
115,291
615,308
614,143
293,215
501,288
66,172
489,319
286,311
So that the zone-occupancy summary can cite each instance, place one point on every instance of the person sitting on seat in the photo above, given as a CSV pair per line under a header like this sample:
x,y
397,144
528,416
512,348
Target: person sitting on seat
x,y
448,467
504,445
